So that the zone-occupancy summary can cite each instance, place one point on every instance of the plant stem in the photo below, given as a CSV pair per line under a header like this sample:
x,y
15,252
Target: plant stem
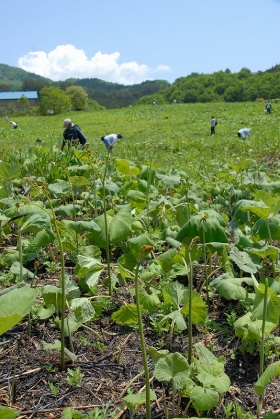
x,y
190,304
106,227
260,397
63,289
143,347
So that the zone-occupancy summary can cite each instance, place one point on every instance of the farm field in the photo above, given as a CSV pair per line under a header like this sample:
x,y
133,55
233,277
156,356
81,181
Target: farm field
x,y
142,283
165,136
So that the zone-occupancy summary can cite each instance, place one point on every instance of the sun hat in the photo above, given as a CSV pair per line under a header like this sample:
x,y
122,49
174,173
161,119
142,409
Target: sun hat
x,y
66,122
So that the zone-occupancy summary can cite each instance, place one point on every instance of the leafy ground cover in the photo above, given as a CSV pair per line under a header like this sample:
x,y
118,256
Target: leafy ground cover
x,y
142,282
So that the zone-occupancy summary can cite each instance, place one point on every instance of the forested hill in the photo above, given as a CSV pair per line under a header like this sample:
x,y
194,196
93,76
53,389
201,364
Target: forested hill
x,y
221,86
110,95
113,95
11,78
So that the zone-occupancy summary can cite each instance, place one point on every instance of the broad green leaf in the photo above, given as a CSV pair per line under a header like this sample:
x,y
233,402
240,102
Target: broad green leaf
x,y
204,398
139,398
8,322
241,166
246,328
157,354
174,294
45,313
90,268
43,238
119,227
272,308
269,200
81,311
127,314
221,382
242,260
204,354
174,367
137,197
126,264
80,226
169,181
149,301
229,287
266,378
92,278
57,345
264,252
52,346
10,171
141,246
70,413
178,318
207,362
127,167
15,269
60,188
52,295
166,259
267,229
238,212
36,223
15,305
7,413
207,228
199,310
79,180
68,210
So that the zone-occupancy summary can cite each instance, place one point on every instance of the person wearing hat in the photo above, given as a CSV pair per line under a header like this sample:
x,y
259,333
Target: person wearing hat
x,y
72,134
110,140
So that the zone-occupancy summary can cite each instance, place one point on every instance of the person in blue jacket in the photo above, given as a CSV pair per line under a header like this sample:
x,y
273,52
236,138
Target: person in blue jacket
x,y
72,135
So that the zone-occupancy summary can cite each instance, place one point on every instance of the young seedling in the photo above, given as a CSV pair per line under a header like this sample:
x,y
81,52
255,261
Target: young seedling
x,y
74,377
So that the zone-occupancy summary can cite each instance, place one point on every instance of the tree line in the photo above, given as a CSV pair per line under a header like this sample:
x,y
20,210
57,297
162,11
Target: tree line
x,y
77,93
220,86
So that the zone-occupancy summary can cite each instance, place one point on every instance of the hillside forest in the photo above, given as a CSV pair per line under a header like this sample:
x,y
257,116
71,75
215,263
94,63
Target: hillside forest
x,y
221,86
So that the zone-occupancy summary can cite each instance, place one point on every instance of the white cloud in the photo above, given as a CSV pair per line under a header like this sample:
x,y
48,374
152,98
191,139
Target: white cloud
x,y
66,61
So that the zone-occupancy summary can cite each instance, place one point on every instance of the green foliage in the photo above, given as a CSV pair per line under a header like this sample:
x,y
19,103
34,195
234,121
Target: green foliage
x,y
55,99
14,305
220,86
7,413
14,77
78,97
74,377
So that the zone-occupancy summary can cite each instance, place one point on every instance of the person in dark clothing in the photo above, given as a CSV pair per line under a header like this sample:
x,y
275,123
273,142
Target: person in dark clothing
x,y
213,123
268,107
72,135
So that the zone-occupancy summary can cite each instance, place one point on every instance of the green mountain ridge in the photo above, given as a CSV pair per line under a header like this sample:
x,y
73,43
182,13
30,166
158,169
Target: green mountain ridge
x,y
218,86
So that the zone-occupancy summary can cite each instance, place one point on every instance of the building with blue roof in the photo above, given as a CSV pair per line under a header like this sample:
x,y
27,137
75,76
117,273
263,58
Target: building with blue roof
x,y
6,98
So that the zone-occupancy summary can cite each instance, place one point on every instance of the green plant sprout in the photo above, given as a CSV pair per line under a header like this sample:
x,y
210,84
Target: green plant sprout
x,y
54,389
74,377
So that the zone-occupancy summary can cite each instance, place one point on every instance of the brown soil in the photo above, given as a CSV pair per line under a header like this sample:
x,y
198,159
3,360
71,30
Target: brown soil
x,y
109,371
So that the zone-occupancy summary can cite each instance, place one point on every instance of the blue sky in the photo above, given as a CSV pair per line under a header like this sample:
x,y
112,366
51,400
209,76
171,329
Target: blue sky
x,y
130,41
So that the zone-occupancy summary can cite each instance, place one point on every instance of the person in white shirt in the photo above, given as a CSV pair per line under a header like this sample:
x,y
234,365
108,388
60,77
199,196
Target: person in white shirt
x,y
14,124
110,140
244,133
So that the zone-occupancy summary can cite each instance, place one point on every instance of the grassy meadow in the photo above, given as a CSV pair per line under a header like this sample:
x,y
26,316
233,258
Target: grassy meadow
x,y
170,136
